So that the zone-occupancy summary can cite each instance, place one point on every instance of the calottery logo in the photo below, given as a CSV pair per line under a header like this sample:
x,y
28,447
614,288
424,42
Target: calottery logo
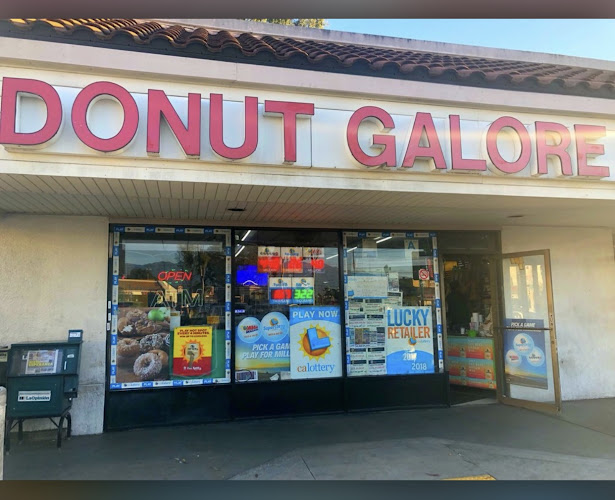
x,y
315,342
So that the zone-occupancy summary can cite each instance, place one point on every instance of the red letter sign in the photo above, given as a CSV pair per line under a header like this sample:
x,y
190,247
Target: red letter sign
x,y
543,130
216,136
90,94
387,157
290,111
189,137
11,88
508,167
459,163
424,121
584,133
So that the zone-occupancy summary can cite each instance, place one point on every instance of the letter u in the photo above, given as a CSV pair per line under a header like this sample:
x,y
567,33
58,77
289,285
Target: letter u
x,y
216,129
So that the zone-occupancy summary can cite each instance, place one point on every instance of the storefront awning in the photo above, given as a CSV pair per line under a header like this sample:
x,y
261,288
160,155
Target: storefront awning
x,y
241,204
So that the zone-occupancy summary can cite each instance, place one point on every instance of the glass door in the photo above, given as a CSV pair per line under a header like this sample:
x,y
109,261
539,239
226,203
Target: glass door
x,y
527,342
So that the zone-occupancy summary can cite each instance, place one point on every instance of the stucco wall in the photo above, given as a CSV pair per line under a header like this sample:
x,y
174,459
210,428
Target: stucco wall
x,y
583,276
54,273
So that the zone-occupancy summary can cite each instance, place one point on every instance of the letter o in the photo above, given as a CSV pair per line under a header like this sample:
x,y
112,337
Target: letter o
x,y
80,123
492,146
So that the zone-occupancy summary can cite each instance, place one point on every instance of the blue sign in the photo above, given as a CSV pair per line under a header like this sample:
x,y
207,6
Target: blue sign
x,y
525,361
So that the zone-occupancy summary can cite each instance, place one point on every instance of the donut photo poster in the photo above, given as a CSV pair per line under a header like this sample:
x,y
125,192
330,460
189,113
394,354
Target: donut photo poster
x,y
142,350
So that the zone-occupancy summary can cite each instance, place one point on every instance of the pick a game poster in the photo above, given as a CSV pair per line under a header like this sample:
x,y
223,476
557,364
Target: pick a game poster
x,y
315,342
262,346
525,360
409,340
192,349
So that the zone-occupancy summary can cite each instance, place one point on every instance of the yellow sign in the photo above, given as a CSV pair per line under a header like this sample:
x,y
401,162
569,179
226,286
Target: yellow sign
x,y
192,349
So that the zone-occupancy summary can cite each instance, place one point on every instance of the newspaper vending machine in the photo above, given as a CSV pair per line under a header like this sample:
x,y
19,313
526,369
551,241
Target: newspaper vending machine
x,y
42,380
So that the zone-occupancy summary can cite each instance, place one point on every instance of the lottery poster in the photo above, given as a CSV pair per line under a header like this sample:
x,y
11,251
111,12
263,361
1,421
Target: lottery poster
x,y
192,352
409,340
261,347
315,342
525,360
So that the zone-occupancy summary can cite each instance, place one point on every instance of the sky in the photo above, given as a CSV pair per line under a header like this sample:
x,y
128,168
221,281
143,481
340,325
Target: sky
x,y
593,38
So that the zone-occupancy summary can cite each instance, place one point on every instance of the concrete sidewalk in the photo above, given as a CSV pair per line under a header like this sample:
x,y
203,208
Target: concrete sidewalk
x,y
432,444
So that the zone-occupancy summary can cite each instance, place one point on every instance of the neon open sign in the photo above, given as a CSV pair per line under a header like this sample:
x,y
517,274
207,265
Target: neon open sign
x,y
174,276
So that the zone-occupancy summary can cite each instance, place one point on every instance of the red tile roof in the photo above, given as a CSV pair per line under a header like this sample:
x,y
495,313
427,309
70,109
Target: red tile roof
x,y
150,36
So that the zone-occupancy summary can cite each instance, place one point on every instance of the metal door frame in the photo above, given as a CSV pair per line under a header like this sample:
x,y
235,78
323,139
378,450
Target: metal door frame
x,y
522,403
495,278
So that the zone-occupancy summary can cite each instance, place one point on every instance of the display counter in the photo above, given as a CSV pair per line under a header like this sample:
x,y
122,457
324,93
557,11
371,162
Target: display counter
x,y
471,361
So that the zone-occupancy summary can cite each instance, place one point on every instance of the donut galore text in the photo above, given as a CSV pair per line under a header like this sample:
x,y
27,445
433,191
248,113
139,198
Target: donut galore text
x,y
538,149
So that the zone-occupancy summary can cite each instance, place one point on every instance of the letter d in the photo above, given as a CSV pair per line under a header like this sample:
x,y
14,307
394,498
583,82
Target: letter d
x,y
11,88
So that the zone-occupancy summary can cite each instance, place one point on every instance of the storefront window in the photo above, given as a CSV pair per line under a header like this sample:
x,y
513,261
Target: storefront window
x,y
170,319
393,307
287,305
